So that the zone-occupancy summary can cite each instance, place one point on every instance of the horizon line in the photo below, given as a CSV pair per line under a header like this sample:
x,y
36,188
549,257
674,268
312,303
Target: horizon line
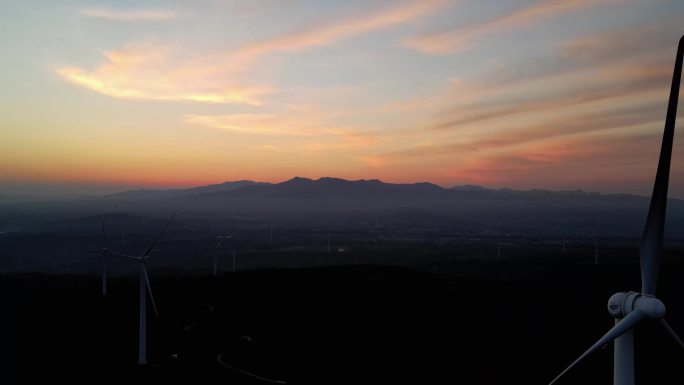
x,y
118,188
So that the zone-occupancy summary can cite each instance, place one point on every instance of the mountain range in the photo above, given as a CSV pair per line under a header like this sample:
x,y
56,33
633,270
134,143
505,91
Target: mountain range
x,y
303,202
331,188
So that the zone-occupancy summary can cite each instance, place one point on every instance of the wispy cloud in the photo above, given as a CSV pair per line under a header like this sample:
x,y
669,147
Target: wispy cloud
x,y
144,71
645,43
322,35
129,15
566,164
461,39
256,124
308,133
375,161
269,147
150,73
622,121
620,82
592,101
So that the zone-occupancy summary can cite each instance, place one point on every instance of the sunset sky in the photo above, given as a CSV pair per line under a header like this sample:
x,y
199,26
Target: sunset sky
x,y
557,94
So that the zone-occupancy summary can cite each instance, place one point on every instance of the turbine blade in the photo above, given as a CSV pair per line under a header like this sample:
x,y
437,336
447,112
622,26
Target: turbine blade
x,y
104,234
220,360
158,236
137,259
619,329
149,288
671,331
652,239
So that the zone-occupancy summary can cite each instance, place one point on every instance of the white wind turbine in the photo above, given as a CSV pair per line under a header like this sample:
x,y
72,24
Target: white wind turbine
x,y
630,308
220,238
145,290
103,257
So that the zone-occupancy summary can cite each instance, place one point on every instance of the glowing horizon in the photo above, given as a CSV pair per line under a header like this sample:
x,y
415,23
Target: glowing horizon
x,y
550,94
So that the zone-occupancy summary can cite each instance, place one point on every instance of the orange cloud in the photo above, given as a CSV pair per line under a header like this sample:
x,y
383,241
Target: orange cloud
x,y
375,161
597,163
151,74
460,39
269,147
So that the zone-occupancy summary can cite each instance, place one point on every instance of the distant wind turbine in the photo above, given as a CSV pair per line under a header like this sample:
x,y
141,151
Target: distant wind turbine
x,y
630,308
596,255
234,261
103,258
220,238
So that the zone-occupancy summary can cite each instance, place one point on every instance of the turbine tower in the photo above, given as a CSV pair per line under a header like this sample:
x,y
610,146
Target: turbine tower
x,y
234,262
220,238
596,255
630,308
103,257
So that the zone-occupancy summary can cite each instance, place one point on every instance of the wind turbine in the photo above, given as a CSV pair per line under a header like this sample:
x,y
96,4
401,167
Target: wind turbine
x,y
145,290
220,238
104,260
103,257
234,262
630,308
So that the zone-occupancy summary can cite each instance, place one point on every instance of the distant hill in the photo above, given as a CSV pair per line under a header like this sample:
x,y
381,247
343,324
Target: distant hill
x,y
469,187
334,188
322,195
144,194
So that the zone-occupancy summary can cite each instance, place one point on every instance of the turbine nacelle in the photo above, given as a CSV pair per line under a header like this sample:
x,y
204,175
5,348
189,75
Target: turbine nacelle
x,y
621,304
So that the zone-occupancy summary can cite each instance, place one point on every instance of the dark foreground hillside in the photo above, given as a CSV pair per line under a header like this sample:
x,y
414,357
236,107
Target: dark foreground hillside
x,y
336,325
